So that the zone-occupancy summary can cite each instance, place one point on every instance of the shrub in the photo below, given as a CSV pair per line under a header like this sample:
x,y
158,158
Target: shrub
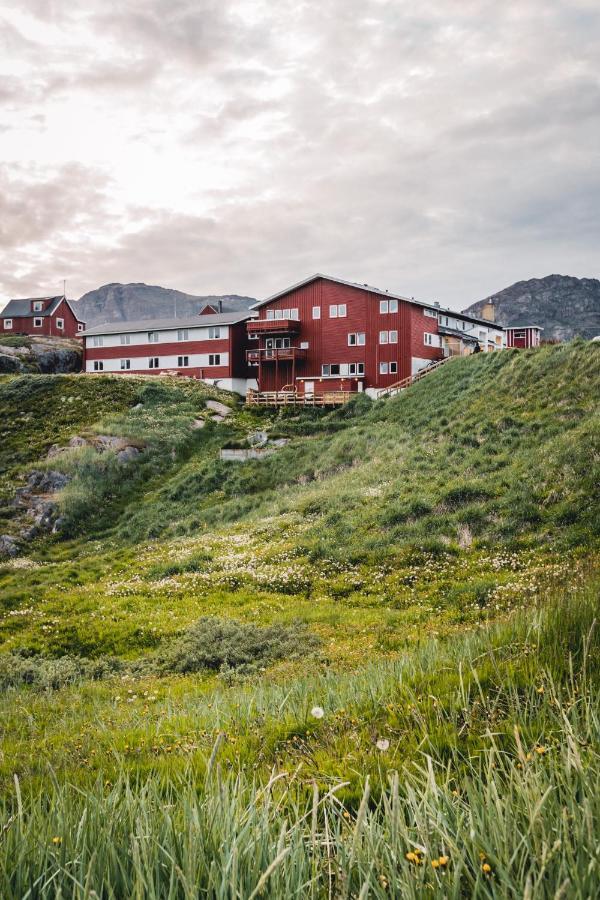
x,y
44,673
214,644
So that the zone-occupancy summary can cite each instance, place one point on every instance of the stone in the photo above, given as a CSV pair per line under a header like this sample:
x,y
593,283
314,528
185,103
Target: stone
x,y
127,454
108,442
258,437
8,546
217,419
219,408
78,441
198,423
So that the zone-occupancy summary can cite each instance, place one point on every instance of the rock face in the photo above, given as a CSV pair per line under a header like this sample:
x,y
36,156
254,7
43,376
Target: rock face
x,y
41,355
132,302
8,547
37,503
565,307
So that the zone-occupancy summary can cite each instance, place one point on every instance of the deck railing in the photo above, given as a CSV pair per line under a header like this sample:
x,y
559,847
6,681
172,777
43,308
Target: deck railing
x,y
293,398
404,383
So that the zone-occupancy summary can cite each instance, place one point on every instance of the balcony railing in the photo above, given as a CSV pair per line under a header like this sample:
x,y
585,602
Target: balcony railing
x,y
273,326
280,354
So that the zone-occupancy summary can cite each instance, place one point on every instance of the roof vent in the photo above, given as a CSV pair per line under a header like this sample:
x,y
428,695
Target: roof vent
x,y
436,303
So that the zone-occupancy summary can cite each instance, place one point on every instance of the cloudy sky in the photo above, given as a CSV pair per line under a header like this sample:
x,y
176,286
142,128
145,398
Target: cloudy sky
x,y
441,148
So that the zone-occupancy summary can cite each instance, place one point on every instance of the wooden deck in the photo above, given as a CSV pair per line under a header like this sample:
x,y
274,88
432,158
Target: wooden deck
x,y
292,398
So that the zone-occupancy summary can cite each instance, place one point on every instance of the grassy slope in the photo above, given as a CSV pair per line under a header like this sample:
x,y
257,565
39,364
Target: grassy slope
x,y
406,526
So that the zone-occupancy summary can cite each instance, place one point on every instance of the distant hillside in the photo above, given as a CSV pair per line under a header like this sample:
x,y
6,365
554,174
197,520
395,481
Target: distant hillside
x,y
132,302
564,306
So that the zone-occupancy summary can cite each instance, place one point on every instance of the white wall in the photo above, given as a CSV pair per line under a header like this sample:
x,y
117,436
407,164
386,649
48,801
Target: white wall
x,y
140,363
164,337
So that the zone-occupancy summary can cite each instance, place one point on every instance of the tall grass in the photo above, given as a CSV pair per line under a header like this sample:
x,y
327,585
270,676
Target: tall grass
x,y
506,813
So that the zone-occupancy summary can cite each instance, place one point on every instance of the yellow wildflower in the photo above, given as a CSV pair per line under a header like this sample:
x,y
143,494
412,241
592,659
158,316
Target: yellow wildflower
x,y
57,840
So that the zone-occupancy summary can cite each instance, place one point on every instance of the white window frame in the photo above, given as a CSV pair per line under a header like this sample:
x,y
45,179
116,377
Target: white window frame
x,y
357,339
393,368
98,365
428,339
393,305
154,362
383,368
384,337
270,314
183,334
338,310
214,359
393,336
60,323
384,307
316,312
80,326
38,322
432,313
214,333
125,338
8,324
38,306
125,365
97,340
153,337
183,362
356,368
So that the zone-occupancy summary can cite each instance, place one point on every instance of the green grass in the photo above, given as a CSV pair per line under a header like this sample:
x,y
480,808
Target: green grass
x,y
442,547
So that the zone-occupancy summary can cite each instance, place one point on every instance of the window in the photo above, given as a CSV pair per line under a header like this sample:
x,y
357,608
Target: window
x,y
214,333
356,369
431,313
153,337
430,340
287,314
37,323
125,364
383,368
60,323
97,341
80,326
383,336
316,312
304,345
393,306
252,337
183,361
8,323
125,338
153,362
279,314
281,343
384,306
331,369
98,365
482,333
356,339
214,359
520,334
183,334
337,311
38,306
393,337
393,368
270,314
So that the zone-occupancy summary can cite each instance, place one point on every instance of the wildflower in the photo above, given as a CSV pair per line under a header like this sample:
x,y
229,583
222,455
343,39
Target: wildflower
x,y
486,868
444,860
57,840
541,750
383,744
540,690
317,712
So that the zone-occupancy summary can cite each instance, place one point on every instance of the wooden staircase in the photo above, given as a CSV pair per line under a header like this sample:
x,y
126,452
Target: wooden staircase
x,y
412,379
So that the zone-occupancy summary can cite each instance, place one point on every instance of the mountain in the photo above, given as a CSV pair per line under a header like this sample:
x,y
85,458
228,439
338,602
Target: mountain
x,y
132,302
564,306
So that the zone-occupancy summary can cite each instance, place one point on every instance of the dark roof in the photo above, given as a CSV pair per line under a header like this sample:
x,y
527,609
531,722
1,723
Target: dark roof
x,y
23,307
520,323
373,290
230,318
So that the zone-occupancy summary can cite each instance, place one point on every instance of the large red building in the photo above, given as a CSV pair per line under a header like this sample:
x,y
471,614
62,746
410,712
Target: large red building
x,y
45,316
325,334
208,346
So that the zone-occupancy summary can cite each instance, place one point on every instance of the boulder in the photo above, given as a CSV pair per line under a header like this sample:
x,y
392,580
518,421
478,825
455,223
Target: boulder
x,y
219,408
127,454
78,441
198,423
8,546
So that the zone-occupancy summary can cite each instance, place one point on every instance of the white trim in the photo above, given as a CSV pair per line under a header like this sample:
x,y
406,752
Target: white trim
x,y
38,322
8,324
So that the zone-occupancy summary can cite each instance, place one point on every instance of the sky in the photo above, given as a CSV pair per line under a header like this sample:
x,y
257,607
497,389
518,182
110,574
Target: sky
x,y
441,149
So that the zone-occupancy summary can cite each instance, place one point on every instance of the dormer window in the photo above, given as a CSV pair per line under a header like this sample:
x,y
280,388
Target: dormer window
x,y
38,306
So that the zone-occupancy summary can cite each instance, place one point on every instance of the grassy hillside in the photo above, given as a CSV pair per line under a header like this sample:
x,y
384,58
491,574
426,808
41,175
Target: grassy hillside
x,y
403,596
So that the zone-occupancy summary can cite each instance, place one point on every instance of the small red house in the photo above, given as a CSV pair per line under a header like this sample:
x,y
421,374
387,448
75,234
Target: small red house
x,y
42,316
325,334
523,336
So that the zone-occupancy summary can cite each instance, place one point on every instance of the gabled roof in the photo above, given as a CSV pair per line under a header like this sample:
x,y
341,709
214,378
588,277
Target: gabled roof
x,y
522,324
381,293
24,307
231,318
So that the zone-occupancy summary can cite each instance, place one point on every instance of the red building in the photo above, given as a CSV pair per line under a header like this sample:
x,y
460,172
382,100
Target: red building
x,y
523,336
46,316
325,334
209,346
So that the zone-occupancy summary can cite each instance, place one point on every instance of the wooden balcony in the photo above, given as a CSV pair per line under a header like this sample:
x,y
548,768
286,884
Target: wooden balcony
x,y
281,354
273,326
287,397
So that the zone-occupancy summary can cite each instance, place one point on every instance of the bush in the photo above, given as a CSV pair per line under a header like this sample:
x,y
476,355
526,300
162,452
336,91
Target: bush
x,y
44,673
214,644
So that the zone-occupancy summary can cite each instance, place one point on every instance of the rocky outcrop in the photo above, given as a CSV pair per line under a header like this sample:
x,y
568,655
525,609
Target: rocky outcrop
x,y
563,306
37,503
8,547
134,302
101,443
41,355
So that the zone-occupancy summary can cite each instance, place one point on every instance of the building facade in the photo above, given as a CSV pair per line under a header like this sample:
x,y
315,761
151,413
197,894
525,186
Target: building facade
x,y
209,346
325,334
41,316
523,336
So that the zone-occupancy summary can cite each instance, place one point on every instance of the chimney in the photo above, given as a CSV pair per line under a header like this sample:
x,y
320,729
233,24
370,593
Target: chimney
x,y
488,312
220,306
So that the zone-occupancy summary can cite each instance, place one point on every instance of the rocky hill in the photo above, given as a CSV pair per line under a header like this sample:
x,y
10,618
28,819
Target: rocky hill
x,y
132,302
564,306
39,355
